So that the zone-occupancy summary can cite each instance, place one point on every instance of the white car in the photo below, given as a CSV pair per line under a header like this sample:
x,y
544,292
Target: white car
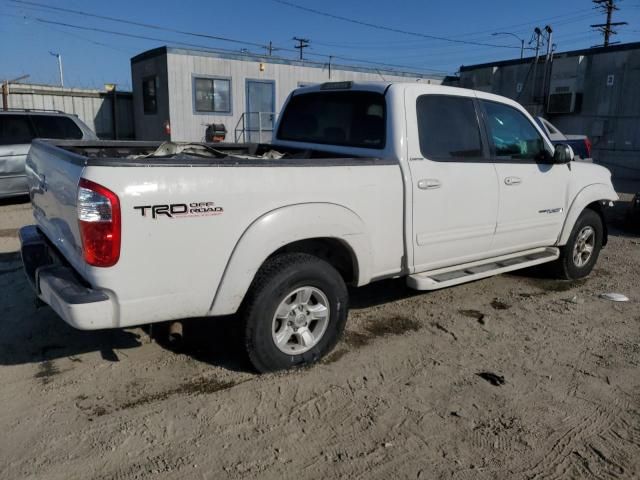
x,y
363,181
581,144
18,127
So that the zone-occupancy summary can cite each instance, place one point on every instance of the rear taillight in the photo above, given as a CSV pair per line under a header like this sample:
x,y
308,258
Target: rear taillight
x,y
99,221
587,143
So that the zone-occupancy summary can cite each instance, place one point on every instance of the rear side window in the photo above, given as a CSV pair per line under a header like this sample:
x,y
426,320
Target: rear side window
x,y
49,126
353,119
15,129
514,137
448,128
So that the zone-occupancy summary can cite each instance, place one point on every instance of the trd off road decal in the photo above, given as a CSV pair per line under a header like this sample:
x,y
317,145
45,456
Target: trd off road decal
x,y
180,210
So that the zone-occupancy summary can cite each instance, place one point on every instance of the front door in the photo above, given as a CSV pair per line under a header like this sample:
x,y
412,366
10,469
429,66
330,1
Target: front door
x,y
533,191
453,181
260,110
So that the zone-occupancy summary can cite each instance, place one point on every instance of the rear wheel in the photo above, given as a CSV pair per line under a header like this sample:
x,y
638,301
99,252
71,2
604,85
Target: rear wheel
x,y
294,312
580,254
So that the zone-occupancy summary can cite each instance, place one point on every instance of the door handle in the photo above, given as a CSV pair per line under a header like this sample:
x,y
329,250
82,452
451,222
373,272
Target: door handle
x,y
429,184
513,181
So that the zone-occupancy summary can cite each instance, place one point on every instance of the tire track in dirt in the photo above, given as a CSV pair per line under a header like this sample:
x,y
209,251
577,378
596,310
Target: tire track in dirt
x,y
588,445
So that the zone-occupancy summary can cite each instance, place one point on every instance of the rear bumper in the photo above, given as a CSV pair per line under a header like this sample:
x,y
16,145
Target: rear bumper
x,y
60,287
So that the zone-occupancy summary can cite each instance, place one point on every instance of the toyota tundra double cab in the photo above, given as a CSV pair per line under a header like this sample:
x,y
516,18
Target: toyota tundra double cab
x,y
362,182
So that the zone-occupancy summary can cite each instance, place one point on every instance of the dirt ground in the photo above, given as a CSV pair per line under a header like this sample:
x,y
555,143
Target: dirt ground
x,y
400,397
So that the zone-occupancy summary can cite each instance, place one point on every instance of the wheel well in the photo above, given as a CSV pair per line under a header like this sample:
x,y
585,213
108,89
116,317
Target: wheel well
x,y
599,209
331,250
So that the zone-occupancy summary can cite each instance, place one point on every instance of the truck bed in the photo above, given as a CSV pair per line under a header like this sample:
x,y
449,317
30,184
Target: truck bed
x,y
137,154
171,266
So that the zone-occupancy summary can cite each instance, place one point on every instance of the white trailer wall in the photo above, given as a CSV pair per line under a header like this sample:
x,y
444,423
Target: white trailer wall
x,y
177,80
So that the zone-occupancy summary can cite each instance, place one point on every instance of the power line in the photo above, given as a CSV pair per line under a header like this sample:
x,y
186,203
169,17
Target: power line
x,y
389,29
139,24
530,23
196,34
220,50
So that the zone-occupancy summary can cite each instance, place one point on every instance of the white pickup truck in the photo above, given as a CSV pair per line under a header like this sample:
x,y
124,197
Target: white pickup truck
x,y
363,181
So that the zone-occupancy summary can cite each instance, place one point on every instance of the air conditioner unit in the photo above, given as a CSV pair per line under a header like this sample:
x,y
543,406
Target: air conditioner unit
x,y
564,102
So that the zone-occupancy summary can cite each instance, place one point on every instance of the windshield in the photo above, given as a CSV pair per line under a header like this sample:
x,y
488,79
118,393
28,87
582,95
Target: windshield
x,y
354,119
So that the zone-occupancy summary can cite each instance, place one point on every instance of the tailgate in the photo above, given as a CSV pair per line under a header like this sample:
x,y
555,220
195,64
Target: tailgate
x,y
53,175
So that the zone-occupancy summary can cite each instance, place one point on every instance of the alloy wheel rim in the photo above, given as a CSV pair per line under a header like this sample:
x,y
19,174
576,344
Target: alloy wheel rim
x,y
584,246
301,320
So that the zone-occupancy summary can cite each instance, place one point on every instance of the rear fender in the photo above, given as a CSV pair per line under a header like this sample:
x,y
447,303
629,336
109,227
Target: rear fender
x,y
282,227
596,192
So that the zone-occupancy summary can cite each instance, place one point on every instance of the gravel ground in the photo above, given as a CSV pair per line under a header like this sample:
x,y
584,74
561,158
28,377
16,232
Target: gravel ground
x,y
400,397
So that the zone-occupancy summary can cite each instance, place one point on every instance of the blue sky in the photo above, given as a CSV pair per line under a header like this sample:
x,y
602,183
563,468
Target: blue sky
x,y
94,58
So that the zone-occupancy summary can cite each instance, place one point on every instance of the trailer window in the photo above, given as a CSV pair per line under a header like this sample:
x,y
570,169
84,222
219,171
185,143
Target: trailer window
x,y
150,95
212,95
354,119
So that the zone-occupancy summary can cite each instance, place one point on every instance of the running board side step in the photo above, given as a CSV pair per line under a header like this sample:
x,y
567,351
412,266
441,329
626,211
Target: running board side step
x,y
468,272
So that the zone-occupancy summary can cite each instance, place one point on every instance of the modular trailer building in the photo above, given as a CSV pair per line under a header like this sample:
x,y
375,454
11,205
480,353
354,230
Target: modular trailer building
x,y
178,92
593,92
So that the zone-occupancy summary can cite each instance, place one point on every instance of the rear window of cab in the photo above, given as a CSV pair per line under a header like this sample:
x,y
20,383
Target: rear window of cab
x,y
350,119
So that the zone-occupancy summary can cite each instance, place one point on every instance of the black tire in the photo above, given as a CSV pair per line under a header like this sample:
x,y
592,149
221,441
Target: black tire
x,y
565,267
277,278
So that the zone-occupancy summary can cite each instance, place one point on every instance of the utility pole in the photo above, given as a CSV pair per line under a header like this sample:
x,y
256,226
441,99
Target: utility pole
x,y
302,44
608,6
59,57
270,48
538,35
547,65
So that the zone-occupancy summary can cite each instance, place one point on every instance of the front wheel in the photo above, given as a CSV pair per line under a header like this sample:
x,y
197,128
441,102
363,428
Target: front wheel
x,y
580,254
294,313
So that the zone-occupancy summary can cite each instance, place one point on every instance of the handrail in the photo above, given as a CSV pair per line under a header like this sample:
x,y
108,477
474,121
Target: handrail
x,y
247,127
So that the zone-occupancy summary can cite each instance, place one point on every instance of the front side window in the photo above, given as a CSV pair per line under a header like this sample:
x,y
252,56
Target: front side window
x,y
50,126
513,135
150,95
353,119
448,128
212,95
15,129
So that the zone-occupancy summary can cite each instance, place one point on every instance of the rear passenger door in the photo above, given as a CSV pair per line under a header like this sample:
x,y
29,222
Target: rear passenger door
x,y
453,181
533,191
16,133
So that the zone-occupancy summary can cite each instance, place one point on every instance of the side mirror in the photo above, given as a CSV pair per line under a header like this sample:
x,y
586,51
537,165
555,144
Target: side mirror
x,y
563,154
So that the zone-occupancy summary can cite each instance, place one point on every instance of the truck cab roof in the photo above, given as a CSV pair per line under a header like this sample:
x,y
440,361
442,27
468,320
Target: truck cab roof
x,y
382,87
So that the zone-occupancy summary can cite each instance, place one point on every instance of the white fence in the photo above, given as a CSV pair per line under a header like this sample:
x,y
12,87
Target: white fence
x,y
93,107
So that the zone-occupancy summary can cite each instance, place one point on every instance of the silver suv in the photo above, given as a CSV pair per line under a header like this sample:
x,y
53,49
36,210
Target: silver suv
x,y
18,128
